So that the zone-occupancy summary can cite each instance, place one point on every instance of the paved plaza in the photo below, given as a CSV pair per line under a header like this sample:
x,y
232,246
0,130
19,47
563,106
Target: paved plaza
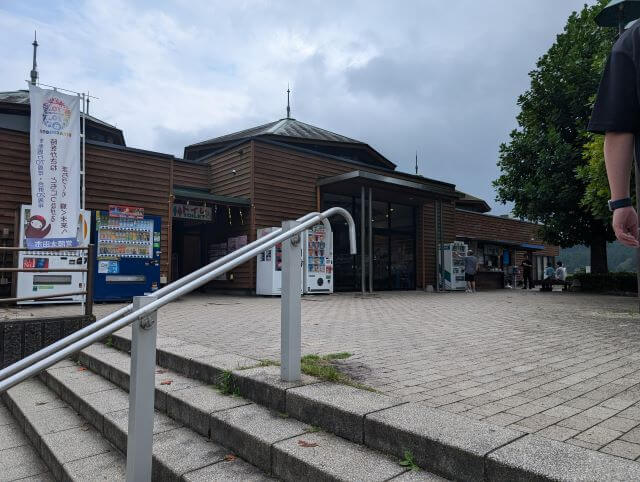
x,y
563,365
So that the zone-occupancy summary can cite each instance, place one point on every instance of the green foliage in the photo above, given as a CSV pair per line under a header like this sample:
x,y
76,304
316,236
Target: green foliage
x,y
323,367
539,164
408,461
226,383
607,282
109,341
594,175
621,257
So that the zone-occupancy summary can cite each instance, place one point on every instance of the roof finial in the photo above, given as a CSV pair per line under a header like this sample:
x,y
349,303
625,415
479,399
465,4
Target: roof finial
x,y
288,106
34,70
416,162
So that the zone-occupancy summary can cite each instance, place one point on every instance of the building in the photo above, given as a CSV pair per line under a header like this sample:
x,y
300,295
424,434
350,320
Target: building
x,y
260,176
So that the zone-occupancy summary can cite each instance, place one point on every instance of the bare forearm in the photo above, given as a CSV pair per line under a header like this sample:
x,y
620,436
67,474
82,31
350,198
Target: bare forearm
x,y
618,156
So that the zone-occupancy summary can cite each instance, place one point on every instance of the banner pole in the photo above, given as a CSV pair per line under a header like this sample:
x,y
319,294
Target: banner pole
x,y
84,194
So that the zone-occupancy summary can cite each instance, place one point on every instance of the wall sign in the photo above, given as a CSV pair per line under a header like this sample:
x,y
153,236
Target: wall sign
x,y
117,211
186,211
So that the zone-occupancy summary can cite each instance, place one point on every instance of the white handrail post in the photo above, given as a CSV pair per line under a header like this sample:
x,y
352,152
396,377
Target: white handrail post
x,y
290,310
141,393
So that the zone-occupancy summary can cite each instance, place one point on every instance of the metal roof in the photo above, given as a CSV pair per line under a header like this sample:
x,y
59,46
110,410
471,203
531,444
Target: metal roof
x,y
287,127
22,97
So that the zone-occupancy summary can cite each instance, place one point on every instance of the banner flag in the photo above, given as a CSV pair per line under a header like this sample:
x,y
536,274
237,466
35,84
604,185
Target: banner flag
x,y
55,169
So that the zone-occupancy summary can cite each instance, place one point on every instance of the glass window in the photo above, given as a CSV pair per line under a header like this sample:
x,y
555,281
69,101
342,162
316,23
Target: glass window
x,y
402,217
380,214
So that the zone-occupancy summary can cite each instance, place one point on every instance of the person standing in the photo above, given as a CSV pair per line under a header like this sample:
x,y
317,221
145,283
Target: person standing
x,y
616,114
561,275
470,270
527,276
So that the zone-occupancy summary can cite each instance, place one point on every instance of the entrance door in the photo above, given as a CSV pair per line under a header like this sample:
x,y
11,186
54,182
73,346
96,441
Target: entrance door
x,y
381,262
403,262
191,253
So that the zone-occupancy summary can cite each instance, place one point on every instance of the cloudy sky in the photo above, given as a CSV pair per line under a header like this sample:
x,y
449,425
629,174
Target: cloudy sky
x,y
438,77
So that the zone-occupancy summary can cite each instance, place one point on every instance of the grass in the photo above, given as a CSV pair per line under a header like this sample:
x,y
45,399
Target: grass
x,y
109,342
409,462
227,384
321,366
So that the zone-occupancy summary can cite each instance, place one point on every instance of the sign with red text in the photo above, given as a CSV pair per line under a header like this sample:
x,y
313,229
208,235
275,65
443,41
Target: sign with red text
x,y
55,169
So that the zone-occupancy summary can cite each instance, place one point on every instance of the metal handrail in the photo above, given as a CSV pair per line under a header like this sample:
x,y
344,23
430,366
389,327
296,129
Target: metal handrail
x,y
77,335
31,365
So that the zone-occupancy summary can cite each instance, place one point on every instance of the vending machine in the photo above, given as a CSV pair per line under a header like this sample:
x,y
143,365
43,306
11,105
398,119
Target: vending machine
x,y
52,283
127,254
269,268
317,243
453,267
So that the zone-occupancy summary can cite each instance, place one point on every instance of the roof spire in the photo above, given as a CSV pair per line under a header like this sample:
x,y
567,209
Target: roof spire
x,y
288,106
34,70
416,162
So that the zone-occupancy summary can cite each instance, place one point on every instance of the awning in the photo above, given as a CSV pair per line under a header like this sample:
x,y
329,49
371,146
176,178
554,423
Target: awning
x,y
506,243
190,194
350,182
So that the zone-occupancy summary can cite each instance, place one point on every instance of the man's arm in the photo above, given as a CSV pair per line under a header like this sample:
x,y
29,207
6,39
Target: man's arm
x,y
618,157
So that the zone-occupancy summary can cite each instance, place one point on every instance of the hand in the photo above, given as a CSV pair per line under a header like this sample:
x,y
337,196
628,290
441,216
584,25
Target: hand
x,y
625,225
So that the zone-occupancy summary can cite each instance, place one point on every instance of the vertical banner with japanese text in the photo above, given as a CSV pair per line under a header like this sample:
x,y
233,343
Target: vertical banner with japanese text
x,y
55,169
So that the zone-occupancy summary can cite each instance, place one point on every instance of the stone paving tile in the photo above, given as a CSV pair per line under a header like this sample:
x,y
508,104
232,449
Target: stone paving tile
x,y
599,435
495,356
556,432
622,449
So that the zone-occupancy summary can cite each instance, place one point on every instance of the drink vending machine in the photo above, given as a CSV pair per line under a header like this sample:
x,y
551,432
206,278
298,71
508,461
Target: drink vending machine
x,y
453,268
52,283
317,263
318,260
127,256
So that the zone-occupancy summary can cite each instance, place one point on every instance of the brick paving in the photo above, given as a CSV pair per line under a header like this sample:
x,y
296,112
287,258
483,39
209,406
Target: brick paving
x,y
565,366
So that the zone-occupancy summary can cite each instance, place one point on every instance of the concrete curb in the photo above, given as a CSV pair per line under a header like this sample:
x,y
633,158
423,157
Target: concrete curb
x,y
445,443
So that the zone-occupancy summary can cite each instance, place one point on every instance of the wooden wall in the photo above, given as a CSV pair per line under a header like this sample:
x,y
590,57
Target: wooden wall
x,y
224,182
188,174
114,176
482,226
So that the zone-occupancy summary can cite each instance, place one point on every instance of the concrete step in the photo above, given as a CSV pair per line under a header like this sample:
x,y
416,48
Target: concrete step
x,y
444,443
178,452
69,446
272,441
18,458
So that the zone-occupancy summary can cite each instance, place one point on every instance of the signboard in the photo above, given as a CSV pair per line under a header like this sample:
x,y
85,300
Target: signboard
x,y
55,169
130,212
186,211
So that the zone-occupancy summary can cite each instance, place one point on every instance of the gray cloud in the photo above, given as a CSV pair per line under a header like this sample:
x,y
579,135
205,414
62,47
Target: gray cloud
x,y
441,78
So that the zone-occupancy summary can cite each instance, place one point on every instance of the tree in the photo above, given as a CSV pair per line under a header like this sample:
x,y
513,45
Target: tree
x,y
540,162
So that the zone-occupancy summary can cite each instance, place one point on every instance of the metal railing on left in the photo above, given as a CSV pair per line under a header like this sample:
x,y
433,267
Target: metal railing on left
x,y
88,283
142,316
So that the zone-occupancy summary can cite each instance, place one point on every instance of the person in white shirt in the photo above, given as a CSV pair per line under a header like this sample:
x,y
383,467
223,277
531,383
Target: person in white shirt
x,y
561,272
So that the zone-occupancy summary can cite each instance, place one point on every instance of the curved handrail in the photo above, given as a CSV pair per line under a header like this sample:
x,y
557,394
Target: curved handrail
x,y
186,287
87,330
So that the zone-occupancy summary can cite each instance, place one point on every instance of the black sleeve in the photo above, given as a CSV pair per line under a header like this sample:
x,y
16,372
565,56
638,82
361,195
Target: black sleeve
x,y
616,108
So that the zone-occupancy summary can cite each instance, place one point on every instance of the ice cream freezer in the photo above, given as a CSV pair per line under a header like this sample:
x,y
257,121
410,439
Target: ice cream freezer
x,y
55,282
127,256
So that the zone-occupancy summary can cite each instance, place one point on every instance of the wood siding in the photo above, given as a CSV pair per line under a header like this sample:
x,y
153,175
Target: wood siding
x,y
187,174
114,176
482,226
224,182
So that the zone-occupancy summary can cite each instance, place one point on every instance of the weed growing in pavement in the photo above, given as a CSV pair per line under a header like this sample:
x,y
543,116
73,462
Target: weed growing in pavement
x,y
408,461
109,342
321,366
227,384
314,429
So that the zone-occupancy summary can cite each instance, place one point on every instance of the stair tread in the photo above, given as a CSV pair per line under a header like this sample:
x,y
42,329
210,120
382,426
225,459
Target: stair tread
x,y
66,442
257,433
177,450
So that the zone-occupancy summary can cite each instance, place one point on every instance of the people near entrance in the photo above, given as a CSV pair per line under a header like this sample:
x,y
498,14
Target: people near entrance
x,y
470,270
527,276
561,272
549,278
